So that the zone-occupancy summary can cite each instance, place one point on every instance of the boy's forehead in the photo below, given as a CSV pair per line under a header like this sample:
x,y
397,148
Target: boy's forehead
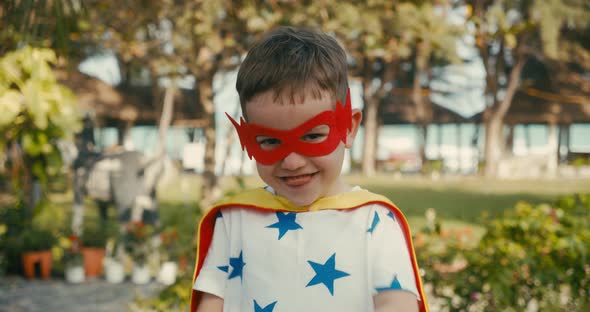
x,y
282,113
293,96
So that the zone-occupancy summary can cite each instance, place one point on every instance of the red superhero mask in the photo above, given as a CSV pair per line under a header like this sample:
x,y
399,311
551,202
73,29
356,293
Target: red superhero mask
x,y
339,122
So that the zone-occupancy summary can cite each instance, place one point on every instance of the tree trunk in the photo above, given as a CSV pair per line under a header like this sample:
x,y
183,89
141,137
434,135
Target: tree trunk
x,y
21,176
423,115
371,97
422,137
370,135
494,144
209,187
509,147
553,147
165,120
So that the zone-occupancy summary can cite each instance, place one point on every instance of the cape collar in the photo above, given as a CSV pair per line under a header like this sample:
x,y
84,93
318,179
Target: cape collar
x,y
265,200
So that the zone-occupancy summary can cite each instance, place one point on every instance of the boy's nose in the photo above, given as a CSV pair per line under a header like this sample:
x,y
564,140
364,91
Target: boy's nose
x,y
293,161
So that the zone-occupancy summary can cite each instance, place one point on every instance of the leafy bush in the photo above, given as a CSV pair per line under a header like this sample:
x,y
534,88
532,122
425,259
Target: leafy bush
x,y
175,297
136,241
35,239
533,256
95,235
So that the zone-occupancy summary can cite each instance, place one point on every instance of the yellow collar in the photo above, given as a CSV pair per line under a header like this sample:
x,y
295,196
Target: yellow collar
x,y
262,198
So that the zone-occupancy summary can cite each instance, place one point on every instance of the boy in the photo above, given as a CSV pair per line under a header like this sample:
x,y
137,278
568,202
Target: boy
x,y
308,241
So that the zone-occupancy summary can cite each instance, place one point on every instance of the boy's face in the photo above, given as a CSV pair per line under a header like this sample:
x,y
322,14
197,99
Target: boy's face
x,y
299,178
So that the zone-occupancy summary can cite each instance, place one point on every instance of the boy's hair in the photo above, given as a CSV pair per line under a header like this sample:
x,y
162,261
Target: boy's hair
x,y
290,60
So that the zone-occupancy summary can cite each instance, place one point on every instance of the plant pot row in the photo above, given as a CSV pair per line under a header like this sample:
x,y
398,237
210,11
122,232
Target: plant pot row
x,y
114,272
94,265
93,258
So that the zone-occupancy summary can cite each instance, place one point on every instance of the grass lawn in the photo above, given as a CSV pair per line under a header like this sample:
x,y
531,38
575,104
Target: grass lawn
x,y
458,201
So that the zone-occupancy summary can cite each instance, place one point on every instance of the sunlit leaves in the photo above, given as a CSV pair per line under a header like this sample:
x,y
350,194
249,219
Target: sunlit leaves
x,y
430,25
36,110
11,103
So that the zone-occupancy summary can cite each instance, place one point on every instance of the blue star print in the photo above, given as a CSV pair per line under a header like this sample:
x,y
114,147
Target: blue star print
x,y
326,273
286,223
390,214
224,268
395,285
218,215
268,308
374,224
237,265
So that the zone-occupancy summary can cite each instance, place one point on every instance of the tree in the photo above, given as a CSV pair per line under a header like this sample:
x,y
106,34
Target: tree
x,y
48,24
378,35
36,112
507,33
210,38
430,40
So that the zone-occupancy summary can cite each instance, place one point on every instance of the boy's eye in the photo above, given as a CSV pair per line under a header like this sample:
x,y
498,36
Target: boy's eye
x,y
267,143
317,135
314,137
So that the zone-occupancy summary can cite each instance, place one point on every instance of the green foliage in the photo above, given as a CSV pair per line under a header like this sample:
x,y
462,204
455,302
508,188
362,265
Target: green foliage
x,y
41,23
35,239
427,25
136,241
531,255
175,297
71,247
170,249
36,110
432,165
95,235
580,162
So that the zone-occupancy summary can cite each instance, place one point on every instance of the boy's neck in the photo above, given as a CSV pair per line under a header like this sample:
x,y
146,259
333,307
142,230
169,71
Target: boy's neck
x,y
340,187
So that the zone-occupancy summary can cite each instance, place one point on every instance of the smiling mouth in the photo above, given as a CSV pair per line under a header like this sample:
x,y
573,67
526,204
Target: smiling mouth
x,y
298,180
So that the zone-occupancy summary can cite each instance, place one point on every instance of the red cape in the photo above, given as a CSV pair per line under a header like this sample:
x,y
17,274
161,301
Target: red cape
x,y
261,199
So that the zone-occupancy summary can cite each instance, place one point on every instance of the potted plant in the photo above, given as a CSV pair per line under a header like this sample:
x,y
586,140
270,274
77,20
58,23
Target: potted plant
x,y
93,250
36,246
137,245
114,269
73,260
169,251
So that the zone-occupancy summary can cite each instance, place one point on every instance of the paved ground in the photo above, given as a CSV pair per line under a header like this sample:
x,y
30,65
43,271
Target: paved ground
x,y
20,295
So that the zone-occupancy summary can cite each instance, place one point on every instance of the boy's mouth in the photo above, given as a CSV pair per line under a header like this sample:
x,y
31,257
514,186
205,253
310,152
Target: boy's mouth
x,y
298,180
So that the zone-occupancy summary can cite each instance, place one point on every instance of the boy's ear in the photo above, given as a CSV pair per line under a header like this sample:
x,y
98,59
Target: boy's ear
x,y
357,117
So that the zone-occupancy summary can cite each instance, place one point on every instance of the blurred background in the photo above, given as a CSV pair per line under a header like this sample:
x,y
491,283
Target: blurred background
x,y
113,142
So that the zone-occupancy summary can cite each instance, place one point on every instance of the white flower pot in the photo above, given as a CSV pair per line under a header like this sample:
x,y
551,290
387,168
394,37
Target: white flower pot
x,y
141,274
114,271
75,274
167,273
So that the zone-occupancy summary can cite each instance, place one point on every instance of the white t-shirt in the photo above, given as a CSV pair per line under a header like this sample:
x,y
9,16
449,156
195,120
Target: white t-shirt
x,y
327,260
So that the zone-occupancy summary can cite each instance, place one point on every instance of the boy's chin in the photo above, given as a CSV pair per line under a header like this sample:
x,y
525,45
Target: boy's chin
x,y
301,201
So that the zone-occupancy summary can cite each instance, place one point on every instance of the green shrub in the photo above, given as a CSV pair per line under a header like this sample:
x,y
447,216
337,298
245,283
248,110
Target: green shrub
x,y
35,239
533,255
95,235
